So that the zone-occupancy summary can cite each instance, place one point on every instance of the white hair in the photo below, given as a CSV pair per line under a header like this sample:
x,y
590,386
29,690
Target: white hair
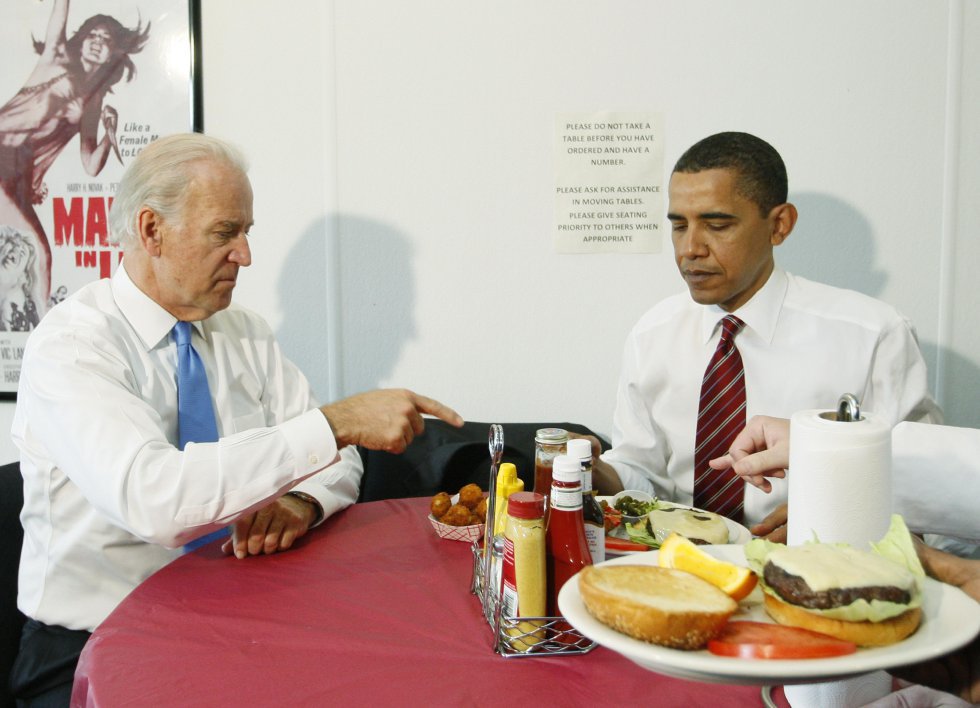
x,y
158,179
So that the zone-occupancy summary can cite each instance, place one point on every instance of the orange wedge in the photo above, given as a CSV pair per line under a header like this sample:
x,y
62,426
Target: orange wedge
x,y
680,553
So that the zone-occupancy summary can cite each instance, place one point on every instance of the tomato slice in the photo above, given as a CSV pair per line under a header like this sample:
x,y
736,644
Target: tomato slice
x,y
621,544
762,640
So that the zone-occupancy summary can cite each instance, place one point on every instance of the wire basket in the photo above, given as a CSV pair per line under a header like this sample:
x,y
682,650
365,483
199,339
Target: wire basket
x,y
524,636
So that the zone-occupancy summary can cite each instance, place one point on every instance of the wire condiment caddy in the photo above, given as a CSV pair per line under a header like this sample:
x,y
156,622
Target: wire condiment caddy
x,y
515,636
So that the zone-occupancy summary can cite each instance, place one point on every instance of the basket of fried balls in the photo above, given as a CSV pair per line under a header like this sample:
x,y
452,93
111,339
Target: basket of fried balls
x,y
459,517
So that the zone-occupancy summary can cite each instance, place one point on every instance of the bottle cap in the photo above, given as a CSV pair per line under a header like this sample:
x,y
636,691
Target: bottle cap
x,y
567,469
507,483
507,473
551,436
525,505
580,449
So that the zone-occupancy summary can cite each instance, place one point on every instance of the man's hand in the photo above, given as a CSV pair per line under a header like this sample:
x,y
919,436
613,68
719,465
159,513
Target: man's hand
x,y
761,450
957,672
963,573
773,527
273,528
386,420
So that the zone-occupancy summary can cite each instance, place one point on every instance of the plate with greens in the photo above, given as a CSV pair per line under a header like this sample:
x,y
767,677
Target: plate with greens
x,y
637,522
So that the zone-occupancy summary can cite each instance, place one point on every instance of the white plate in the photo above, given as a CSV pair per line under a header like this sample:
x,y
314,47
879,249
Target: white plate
x,y
737,534
950,619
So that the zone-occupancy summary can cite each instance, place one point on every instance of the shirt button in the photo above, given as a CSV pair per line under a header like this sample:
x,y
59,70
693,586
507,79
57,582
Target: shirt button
x,y
314,459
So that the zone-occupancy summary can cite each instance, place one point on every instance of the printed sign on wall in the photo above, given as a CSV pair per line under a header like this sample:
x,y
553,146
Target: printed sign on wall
x,y
608,182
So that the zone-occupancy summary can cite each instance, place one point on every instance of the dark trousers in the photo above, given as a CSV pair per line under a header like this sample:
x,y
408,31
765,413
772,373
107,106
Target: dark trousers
x,y
45,666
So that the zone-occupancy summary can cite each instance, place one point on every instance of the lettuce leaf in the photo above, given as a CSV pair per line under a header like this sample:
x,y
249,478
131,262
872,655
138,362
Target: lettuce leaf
x,y
640,533
897,546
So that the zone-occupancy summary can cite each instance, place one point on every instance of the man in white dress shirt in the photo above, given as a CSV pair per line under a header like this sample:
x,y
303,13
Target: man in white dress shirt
x,y
803,345
108,495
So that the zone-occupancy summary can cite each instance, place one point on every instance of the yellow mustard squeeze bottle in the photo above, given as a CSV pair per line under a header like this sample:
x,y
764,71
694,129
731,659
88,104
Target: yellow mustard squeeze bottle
x,y
524,573
507,483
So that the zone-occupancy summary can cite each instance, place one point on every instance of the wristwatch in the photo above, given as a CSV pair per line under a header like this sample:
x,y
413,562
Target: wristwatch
x,y
310,499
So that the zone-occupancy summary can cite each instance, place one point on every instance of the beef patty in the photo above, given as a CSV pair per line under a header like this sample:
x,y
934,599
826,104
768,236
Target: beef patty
x,y
794,590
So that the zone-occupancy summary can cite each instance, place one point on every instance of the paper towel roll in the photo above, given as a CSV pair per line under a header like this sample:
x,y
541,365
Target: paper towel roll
x,y
839,478
839,488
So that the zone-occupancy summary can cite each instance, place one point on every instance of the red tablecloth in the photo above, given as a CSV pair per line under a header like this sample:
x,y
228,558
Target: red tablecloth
x,y
370,609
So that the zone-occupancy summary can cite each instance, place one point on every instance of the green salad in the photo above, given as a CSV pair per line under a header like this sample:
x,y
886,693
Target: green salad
x,y
634,507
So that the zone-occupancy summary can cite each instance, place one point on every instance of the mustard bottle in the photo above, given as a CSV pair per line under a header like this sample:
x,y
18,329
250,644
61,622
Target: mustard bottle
x,y
524,586
507,483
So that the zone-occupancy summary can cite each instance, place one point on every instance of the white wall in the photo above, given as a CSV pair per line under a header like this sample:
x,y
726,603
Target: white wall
x,y
402,163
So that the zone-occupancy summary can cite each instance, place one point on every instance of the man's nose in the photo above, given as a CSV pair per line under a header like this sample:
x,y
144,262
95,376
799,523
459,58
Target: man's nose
x,y
242,252
694,244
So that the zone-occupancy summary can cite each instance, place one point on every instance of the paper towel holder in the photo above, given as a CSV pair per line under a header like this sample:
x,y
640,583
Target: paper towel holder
x,y
848,410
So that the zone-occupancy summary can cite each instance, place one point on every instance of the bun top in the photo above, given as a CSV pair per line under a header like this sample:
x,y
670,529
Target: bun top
x,y
667,589
826,567
659,605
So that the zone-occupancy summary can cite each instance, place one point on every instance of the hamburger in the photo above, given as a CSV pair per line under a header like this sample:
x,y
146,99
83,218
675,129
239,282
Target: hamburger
x,y
871,598
700,527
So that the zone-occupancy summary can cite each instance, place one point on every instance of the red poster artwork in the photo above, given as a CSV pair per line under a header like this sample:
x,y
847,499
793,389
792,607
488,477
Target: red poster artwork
x,y
84,85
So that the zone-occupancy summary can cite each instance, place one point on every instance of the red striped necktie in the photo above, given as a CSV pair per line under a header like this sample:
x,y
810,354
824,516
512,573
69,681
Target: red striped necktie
x,y
721,416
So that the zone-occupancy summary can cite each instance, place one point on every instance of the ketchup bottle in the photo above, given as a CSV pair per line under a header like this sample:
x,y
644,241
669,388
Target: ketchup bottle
x,y
568,549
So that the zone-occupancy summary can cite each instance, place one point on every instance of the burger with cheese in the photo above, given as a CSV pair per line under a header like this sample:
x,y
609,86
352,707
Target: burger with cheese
x,y
871,598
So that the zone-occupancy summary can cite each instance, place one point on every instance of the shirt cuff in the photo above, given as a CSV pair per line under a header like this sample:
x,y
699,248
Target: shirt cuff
x,y
311,441
631,479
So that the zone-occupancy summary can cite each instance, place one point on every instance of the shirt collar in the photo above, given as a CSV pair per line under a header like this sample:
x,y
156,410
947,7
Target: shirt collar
x,y
151,322
759,314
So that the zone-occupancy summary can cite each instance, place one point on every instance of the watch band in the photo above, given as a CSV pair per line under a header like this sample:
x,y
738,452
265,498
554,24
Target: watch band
x,y
310,499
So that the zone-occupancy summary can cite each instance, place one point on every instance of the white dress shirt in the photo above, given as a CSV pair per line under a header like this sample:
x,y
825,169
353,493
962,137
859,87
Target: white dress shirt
x,y
107,494
804,345
936,479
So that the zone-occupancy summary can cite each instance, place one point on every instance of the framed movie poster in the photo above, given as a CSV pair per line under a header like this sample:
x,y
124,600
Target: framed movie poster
x,y
84,86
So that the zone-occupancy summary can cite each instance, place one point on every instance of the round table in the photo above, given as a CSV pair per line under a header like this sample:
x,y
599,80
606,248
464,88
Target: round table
x,y
372,608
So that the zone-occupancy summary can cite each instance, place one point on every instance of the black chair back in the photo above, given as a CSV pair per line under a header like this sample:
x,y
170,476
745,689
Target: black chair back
x,y
445,458
11,539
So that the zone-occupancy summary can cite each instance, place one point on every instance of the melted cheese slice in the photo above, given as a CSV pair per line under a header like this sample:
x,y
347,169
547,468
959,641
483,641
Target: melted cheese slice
x,y
825,567
689,523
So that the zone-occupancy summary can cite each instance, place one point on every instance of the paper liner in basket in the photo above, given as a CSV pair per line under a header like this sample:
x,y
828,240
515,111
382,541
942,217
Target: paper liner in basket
x,y
470,533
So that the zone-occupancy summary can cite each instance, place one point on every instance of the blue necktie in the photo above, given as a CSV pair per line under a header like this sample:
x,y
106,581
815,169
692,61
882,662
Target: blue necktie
x,y
195,414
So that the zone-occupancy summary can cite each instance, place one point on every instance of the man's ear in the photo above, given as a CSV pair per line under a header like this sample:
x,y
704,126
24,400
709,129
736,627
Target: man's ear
x,y
783,220
148,231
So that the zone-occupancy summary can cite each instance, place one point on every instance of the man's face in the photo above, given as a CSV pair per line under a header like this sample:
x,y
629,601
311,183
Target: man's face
x,y
722,244
201,251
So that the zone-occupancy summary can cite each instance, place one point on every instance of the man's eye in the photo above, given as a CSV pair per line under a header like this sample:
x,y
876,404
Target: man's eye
x,y
677,225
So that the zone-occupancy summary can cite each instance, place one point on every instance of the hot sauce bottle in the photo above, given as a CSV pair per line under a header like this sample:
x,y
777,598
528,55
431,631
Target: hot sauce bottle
x,y
568,549
595,526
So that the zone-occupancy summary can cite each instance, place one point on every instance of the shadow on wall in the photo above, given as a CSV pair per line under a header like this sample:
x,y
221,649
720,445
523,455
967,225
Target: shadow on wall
x,y
302,333
833,243
377,298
